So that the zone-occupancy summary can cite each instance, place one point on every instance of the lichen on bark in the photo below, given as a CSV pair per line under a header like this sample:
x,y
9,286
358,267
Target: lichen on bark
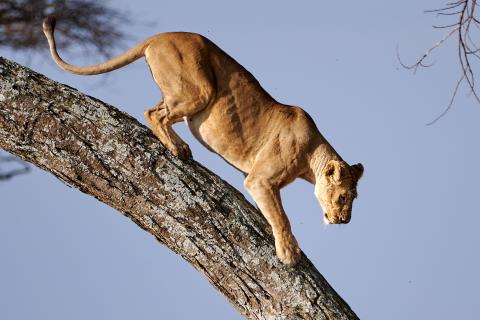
x,y
106,153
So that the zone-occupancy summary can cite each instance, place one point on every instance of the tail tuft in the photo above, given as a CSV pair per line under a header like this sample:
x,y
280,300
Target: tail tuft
x,y
49,24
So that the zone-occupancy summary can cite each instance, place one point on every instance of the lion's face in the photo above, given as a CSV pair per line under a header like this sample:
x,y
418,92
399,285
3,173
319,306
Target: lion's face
x,y
335,189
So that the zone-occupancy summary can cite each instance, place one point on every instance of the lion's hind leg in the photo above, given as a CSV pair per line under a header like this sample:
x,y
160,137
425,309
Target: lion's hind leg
x,y
155,117
184,94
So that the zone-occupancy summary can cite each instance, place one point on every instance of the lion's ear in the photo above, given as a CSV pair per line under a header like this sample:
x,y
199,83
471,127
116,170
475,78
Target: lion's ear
x,y
333,170
357,171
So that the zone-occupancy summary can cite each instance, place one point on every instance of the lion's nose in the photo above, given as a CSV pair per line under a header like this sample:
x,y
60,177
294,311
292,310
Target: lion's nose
x,y
344,220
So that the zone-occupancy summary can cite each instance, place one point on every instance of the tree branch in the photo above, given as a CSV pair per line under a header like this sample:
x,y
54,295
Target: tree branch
x,y
106,153
12,171
467,48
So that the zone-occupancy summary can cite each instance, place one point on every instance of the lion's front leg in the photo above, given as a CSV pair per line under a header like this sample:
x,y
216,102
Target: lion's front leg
x,y
267,197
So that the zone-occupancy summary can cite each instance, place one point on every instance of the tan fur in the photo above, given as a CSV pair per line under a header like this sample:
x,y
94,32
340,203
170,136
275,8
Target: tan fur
x,y
232,115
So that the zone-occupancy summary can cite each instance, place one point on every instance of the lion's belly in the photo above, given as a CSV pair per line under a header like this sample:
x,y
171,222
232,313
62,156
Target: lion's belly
x,y
223,130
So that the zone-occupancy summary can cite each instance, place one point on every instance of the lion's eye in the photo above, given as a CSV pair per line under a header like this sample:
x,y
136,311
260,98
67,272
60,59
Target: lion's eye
x,y
341,199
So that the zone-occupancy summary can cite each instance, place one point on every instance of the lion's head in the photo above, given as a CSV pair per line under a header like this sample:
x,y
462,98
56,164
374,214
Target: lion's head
x,y
335,189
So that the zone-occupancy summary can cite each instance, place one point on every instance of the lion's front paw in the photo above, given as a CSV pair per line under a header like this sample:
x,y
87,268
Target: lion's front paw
x,y
287,250
182,151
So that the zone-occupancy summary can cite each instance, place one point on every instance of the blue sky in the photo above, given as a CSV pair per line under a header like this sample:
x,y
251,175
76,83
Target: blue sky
x,y
410,251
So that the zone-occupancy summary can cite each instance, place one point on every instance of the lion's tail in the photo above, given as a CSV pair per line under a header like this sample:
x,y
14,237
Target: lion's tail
x,y
115,63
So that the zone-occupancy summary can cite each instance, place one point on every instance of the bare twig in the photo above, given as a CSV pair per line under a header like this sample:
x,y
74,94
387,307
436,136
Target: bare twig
x,y
449,106
6,174
464,11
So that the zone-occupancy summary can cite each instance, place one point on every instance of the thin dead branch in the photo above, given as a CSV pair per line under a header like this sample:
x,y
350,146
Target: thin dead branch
x,y
467,49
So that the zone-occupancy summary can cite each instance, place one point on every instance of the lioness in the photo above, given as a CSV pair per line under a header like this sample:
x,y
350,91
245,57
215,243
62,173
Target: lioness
x,y
232,115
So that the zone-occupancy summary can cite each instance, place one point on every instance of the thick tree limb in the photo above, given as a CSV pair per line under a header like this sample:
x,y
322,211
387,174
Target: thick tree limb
x,y
108,154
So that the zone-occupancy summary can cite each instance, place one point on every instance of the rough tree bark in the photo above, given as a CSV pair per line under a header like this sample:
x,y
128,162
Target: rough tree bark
x,y
108,154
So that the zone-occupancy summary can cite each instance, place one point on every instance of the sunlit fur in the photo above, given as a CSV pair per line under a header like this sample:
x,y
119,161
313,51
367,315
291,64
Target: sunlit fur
x,y
229,112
